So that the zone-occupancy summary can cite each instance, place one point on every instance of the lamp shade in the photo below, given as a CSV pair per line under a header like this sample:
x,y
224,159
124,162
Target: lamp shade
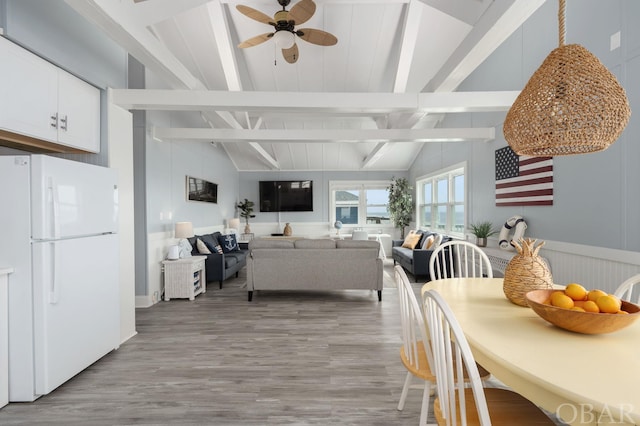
x,y
284,39
184,230
234,223
571,105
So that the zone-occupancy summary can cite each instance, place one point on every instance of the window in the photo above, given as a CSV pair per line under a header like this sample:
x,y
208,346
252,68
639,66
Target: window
x,y
441,202
359,204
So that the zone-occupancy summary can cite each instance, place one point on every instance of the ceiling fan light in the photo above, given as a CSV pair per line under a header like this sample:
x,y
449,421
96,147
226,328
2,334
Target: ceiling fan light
x,y
284,39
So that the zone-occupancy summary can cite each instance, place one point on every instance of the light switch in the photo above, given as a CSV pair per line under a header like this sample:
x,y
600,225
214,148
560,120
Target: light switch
x,y
614,41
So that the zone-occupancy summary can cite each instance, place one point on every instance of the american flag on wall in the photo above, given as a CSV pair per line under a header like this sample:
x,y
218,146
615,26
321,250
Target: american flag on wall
x,y
522,180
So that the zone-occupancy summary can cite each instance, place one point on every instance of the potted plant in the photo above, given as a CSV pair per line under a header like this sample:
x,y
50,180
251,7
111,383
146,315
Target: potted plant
x,y
482,231
400,203
246,211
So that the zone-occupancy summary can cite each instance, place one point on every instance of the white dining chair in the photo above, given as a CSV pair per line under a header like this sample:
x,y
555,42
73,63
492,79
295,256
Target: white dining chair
x,y
415,353
460,403
628,291
459,259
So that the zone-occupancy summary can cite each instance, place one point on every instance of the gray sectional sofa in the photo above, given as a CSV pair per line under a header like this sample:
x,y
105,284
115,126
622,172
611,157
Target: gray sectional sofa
x,y
313,264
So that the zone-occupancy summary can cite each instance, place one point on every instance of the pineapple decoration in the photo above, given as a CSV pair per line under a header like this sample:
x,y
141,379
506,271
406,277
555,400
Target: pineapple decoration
x,y
525,272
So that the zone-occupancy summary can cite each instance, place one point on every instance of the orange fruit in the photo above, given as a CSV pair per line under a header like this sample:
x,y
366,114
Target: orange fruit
x,y
561,300
617,300
576,291
590,306
608,304
555,294
622,312
578,308
594,294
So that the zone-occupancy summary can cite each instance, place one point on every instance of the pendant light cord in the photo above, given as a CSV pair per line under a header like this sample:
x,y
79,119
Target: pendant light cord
x,y
561,27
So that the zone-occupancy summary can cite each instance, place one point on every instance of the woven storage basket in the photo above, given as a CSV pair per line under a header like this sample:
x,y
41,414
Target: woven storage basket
x,y
525,272
571,105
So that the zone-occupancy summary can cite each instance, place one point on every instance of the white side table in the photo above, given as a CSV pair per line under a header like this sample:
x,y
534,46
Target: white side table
x,y
4,336
184,278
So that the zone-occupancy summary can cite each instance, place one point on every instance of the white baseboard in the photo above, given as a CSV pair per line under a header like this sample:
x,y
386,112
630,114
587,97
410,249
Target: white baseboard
x,y
143,301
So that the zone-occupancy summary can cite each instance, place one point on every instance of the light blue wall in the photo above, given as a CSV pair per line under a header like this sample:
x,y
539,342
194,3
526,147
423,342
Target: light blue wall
x,y
596,196
169,162
249,189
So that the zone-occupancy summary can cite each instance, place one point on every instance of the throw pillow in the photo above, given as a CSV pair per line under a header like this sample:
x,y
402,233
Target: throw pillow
x,y
185,248
411,240
436,242
228,243
428,242
218,249
202,247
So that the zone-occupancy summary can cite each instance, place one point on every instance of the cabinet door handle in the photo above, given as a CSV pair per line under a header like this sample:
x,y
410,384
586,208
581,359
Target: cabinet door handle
x,y
54,120
65,123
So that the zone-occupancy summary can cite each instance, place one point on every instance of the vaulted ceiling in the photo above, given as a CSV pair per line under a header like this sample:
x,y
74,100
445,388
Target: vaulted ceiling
x,y
369,102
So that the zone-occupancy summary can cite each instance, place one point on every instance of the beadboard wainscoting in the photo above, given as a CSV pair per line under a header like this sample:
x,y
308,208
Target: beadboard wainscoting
x,y
593,267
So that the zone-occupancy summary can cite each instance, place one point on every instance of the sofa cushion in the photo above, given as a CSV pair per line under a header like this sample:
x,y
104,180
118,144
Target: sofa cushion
x,y
430,241
358,244
230,261
270,243
228,242
315,244
411,240
202,247
403,253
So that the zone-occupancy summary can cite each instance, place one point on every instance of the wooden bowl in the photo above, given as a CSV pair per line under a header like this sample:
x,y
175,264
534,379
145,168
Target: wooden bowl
x,y
581,322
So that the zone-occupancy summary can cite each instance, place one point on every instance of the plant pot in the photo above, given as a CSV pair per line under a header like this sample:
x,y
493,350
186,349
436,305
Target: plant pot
x,y
247,229
481,242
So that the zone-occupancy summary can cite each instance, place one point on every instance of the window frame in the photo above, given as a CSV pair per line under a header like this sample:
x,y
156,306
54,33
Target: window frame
x,y
362,187
448,173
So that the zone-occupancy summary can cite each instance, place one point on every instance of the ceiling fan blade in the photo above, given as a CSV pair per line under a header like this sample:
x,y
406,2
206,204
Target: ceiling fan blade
x,y
302,11
291,54
254,41
319,37
255,14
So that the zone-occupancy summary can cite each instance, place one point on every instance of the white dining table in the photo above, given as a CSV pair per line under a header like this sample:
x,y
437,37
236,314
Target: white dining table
x,y
584,379
372,236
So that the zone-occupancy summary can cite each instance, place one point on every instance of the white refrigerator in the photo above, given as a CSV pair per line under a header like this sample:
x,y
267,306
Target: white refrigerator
x,y
60,237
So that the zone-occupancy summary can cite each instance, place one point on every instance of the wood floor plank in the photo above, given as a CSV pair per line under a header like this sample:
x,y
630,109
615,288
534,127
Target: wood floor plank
x,y
286,358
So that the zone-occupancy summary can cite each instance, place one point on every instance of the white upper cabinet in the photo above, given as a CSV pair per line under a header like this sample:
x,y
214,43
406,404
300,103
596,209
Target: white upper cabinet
x,y
43,102
78,113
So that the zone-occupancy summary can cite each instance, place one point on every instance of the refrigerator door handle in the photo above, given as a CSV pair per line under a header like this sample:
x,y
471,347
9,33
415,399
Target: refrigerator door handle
x,y
54,288
55,199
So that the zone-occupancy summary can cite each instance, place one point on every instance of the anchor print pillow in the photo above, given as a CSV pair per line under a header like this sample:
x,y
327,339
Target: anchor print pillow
x,y
228,243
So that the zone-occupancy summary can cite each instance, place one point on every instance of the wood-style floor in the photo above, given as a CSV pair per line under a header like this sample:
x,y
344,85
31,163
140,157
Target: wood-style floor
x,y
295,358
287,358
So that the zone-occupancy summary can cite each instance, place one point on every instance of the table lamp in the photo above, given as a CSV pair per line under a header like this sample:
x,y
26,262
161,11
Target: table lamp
x,y
182,231
233,225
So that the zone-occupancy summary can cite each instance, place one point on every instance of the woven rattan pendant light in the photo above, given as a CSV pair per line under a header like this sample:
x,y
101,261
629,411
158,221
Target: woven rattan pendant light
x,y
571,105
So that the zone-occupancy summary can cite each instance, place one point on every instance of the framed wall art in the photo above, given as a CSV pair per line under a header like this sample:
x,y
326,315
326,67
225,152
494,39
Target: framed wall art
x,y
201,190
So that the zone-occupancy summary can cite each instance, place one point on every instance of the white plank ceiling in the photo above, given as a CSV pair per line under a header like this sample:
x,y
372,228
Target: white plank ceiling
x,y
367,103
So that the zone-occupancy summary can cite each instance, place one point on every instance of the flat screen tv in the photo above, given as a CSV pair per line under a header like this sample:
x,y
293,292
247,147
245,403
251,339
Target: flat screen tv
x,y
286,196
